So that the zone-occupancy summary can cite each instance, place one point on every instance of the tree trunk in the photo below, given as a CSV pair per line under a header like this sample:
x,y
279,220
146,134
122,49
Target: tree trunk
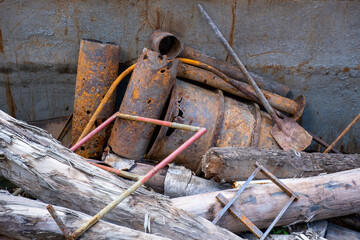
x,y
173,181
237,163
37,163
23,218
321,197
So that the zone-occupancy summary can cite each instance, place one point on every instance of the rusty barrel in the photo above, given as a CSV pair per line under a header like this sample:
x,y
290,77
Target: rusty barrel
x,y
148,90
228,121
98,67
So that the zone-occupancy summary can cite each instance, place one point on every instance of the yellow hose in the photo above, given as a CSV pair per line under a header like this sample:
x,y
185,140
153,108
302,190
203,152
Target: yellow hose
x,y
124,74
107,96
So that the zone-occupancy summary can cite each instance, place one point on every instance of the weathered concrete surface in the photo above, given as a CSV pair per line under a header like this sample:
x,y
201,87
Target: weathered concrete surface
x,y
313,47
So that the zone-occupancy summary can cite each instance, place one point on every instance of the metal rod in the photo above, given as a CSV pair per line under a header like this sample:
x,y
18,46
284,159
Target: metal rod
x,y
58,221
323,143
277,181
251,81
278,217
134,118
136,185
118,172
343,133
236,196
65,128
17,192
105,100
239,215
92,133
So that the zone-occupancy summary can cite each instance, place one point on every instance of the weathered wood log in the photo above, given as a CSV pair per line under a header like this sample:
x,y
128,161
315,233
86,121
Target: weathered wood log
x,y
321,197
173,181
22,218
336,232
237,163
37,163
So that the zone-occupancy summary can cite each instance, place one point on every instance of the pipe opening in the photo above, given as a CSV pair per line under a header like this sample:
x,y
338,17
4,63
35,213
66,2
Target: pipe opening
x,y
170,46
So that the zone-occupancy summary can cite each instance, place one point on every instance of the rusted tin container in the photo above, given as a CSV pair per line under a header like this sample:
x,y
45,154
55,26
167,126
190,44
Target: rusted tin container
x,y
229,123
98,67
146,95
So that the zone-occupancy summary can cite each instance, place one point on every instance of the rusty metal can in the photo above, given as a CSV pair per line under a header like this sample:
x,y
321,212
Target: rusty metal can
x,y
228,121
98,67
148,90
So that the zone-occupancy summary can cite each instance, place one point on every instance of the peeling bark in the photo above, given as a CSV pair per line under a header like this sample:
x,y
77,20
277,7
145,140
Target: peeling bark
x,y
237,163
22,218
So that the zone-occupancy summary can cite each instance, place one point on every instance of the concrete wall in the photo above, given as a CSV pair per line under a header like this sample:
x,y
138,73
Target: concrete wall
x,y
311,46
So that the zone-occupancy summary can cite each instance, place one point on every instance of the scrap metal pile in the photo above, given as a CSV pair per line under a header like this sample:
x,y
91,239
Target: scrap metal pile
x,y
191,127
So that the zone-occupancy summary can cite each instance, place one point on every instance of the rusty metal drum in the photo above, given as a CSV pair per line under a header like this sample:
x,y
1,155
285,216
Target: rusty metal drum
x,y
229,123
148,90
98,67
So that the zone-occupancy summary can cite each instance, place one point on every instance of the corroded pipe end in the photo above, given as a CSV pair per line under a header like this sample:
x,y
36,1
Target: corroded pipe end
x,y
300,100
165,43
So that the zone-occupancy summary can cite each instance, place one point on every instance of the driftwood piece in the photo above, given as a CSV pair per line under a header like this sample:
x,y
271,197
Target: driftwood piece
x,y
321,197
336,232
237,163
42,167
173,181
22,218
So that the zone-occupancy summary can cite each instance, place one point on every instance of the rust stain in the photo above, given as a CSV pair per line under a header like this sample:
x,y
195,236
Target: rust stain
x,y
9,97
231,37
346,69
1,43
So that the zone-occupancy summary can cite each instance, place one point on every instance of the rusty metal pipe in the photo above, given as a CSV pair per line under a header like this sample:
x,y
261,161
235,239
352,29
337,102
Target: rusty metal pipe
x,y
165,43
281,103
118,172
233,72
146,95
98,66
169,44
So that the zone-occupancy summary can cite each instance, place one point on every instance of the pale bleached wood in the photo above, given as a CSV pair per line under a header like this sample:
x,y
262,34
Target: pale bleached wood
x,y
40,165
237,163
25,219
321,197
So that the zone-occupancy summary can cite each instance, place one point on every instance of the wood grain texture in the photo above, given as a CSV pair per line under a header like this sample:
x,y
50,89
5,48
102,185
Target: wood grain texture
x,y
42,167
237,163
321,197
22,218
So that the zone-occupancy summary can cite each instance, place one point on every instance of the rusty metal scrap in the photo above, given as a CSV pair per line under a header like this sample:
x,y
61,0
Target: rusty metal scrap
x,y
229,123
97,68
293,107
165,43
288,134
146,95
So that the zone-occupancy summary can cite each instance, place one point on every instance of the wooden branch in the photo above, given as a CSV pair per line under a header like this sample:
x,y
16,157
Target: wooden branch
x,y
37,163
237,163
22,218
321,197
